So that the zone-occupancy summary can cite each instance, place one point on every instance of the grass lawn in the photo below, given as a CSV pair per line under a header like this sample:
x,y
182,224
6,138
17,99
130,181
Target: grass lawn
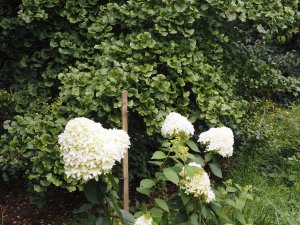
x,y
274,169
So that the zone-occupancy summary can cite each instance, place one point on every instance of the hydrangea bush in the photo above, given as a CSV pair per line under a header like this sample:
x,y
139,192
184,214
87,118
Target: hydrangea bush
x,y
88,150
198,185
175,123
89,153
219,140
181,192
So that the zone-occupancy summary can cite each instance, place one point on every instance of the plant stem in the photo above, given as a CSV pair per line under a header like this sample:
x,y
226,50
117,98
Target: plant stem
x,y
162,165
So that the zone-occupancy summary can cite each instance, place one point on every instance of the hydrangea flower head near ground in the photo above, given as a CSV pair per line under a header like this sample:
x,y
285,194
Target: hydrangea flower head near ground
x,y
219,139
89,150
198,185
175,124
144,220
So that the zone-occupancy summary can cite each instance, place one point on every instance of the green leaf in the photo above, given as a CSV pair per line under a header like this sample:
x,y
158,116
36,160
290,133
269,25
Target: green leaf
x,y
112,181
147,183
204,211
145,191
158,163
215,168
198,159
45,138
231,17
249,196
127,216
71,188
190,170
230,202
231,189
219,211
103,221
90,191
156,212
207,157
193,146
240,217
180,7
115,205
190,206
180,81
194,219
44,182
160,176
56,181
159,155
139,214
240,204
261,29
171,175
28,154
62,121
161,204
85,207
38,188
185,198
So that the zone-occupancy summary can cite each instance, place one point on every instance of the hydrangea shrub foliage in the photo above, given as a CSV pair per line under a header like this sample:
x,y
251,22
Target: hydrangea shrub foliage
x,y
181,191
62,59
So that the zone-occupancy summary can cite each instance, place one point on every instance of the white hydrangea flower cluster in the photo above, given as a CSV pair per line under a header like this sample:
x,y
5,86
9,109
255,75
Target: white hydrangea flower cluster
x,y
198,185
218,139
89,150
144,220
175,123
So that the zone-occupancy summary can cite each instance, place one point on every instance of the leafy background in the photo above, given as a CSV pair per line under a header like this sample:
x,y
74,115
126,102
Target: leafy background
x,y
209,60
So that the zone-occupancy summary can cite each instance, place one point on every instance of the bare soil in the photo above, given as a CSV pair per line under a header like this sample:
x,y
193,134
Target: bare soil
x,y
15,207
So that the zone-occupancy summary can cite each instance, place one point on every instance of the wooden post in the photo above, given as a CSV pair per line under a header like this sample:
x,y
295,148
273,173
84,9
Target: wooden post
x,y
125,160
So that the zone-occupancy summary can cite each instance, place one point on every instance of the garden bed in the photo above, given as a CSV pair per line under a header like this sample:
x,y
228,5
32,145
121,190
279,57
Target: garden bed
x,y
16,207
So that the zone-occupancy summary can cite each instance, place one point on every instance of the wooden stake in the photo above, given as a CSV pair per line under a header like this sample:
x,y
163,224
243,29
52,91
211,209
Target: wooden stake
x,y
125,160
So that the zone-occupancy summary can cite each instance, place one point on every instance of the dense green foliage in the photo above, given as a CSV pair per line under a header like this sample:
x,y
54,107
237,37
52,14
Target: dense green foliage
x,y
64,59
7,109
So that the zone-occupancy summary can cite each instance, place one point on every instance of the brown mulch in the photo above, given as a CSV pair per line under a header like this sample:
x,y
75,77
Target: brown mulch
x,y
15,208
